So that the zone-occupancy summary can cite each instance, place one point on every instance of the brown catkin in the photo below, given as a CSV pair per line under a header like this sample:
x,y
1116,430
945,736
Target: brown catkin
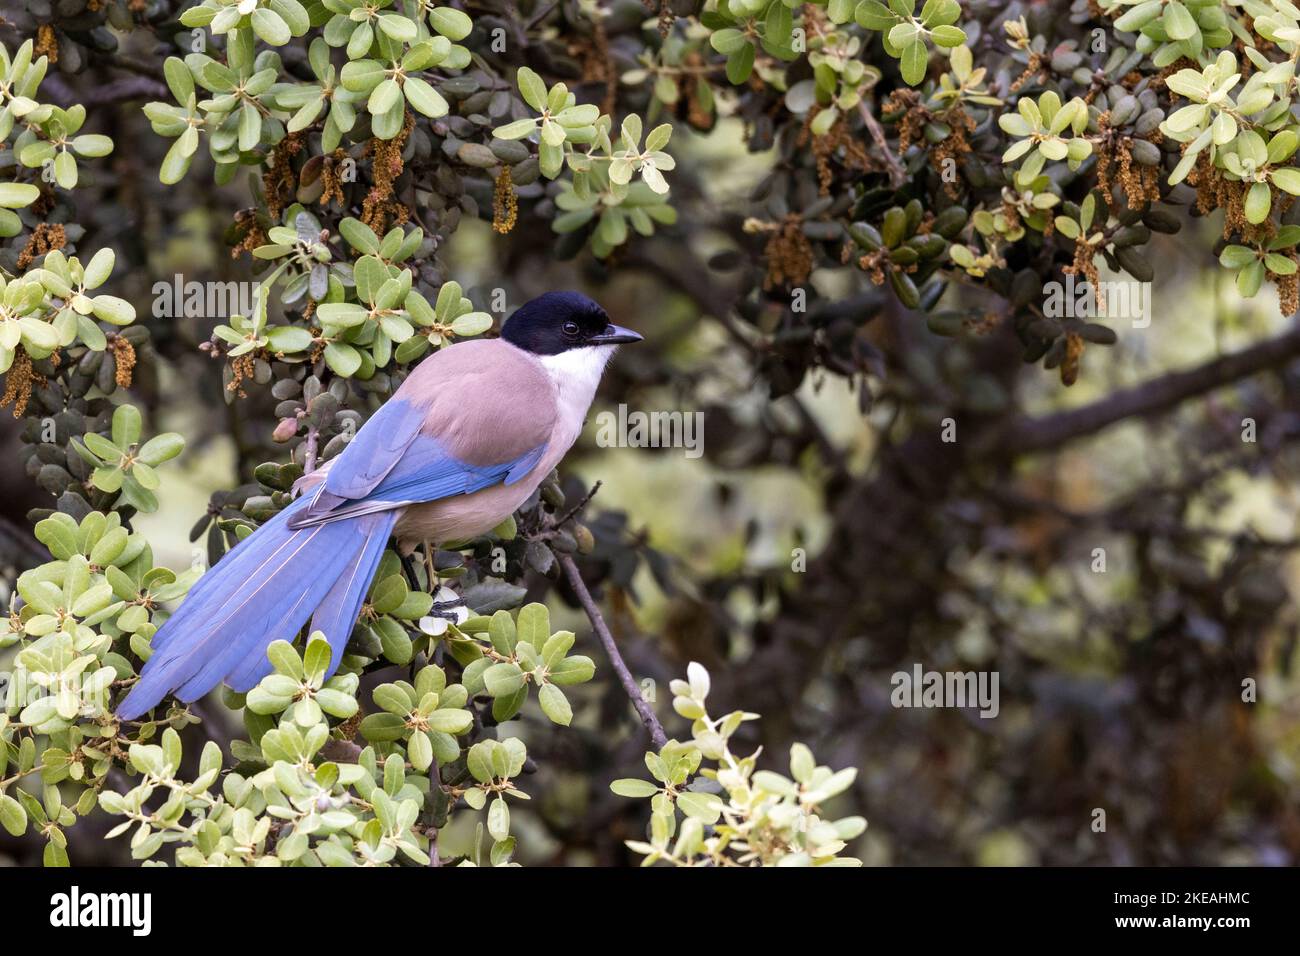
x,y
333,179
505,204
251,234
19,382
386,166
44,238
278,180
789,255
124,359
47,43
1073,353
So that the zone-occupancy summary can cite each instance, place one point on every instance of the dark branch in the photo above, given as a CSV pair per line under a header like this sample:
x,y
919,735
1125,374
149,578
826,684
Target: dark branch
x,y
897,175
1027,435
652,725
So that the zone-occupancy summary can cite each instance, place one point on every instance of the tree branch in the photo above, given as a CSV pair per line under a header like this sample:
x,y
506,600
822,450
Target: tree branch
x,y
897,175
652,725
122,90
1027,435
309,452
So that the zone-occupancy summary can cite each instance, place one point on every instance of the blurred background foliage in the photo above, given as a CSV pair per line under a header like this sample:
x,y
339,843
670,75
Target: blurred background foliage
x,y
829,537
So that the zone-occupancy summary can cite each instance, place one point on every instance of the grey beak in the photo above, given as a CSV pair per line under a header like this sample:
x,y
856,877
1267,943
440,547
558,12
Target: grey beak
x,y
615,335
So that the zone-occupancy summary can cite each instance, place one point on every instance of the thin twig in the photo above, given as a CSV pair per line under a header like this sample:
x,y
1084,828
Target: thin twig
x,y
643,710
309,452
568,515
897,175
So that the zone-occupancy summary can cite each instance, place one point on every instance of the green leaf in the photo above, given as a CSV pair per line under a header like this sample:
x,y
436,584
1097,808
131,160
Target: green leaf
x,y
572,670
294,14
91,145
1139,16
398,27
1279,264
503,679
126,426
269,26
1178,22
632,787
450,721
1236,257
727,40
99,268
316,659
516,130
874,15
1259,201
362,76
914,61
555,705
384,96
1067,227
342,359
161,448
288,339
17,195
424,98
361,237
1287,179
58,537
499,819
534,624
177,161
453,24
56,855
65,170
556,646
1250,279
111,309
12,815
341,315
705,807
802,763
740,64
472,323
420,752
948,36
382,728
179,79
531,88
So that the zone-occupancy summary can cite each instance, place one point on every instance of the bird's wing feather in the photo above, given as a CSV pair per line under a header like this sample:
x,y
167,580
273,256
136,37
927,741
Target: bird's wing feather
x,y
375,450
451,429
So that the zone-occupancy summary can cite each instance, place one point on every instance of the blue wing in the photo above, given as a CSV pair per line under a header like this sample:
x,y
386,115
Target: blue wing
x,y
375,450
396,466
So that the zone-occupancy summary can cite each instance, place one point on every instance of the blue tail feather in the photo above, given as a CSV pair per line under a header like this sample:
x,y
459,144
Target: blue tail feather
x,y
337,614
263,590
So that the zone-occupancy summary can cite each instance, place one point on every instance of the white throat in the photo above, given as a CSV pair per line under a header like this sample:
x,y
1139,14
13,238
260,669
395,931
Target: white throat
x,y
575,374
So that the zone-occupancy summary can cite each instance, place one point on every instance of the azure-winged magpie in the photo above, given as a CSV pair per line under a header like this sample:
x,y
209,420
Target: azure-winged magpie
x,y
464,441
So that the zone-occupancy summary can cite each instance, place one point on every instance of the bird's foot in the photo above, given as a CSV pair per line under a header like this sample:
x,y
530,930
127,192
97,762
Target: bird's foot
x,y
448,610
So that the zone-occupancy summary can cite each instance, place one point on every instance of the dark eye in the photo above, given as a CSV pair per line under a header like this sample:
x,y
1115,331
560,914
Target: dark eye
x,y
571,329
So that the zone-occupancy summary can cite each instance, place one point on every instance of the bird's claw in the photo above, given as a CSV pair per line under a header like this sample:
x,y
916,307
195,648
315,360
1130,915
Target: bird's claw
x,y
446,609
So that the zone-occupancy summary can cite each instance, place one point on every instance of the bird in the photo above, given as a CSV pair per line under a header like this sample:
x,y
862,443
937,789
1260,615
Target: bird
x,y
462,443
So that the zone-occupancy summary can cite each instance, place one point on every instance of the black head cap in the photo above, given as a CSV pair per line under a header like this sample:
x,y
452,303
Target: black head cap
x,y
559,321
